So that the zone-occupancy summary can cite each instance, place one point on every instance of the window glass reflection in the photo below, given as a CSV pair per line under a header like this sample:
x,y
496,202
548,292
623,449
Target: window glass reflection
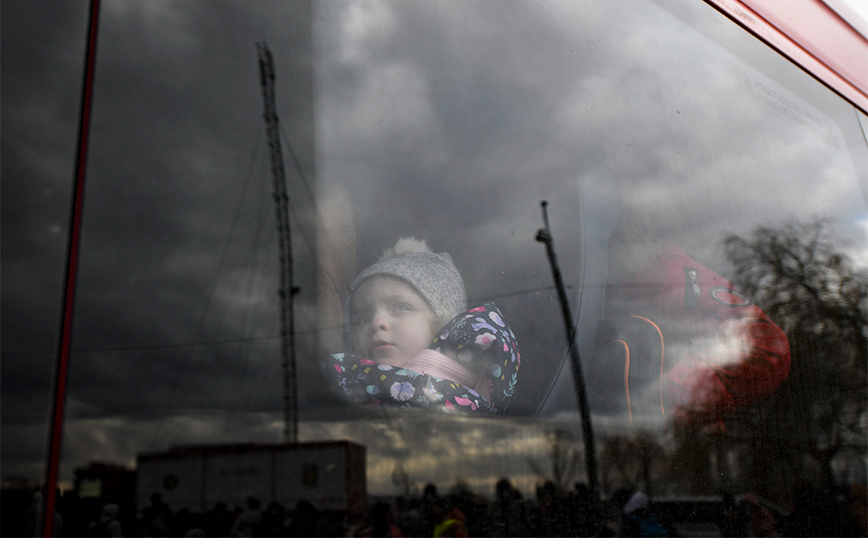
x,y
669,184
707,201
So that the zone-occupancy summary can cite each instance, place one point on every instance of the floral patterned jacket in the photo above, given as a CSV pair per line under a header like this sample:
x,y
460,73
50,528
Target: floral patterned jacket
x,y
478,338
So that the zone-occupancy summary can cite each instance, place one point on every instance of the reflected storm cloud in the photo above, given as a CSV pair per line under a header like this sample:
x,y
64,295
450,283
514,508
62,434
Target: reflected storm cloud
x,y
641,123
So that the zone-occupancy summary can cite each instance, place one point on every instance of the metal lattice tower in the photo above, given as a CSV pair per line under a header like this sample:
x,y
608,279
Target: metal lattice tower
x,y
286,290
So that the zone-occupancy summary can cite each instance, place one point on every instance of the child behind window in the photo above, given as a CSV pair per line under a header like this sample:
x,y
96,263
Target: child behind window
x,y
411,342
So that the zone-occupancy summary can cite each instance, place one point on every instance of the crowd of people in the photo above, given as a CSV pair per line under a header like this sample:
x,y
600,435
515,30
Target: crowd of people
x,y
552,511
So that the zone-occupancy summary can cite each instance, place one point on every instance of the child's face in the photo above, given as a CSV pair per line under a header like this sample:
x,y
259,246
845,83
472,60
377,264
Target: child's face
x,y
391,322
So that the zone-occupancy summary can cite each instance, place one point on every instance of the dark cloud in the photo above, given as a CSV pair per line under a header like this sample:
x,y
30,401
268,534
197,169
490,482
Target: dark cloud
x,y
448,122
178,247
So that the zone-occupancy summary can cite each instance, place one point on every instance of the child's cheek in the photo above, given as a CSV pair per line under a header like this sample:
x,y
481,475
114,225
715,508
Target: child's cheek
x,y
358,343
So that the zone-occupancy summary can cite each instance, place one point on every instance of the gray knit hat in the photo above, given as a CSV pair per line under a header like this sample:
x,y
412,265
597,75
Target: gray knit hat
x,y
432,275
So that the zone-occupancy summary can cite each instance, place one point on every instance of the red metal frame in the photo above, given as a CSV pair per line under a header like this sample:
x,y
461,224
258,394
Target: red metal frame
x,y
811,34
65,334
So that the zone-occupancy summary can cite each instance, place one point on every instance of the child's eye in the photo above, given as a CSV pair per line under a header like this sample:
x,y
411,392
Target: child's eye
x,y
360,320
402,308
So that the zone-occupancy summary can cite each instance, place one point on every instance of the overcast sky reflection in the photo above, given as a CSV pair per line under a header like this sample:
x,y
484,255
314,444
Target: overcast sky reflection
x,y
447,121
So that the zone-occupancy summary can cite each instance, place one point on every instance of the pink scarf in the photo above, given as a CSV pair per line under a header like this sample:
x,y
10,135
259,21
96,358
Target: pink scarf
x,y
434,363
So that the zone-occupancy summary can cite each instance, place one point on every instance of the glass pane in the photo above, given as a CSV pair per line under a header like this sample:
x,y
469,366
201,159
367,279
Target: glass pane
x,y
707,203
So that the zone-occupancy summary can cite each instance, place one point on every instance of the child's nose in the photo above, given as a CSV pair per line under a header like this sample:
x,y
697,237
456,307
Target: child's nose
x,y
380,322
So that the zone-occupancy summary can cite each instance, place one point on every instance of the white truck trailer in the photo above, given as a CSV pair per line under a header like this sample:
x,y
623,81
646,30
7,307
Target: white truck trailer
x,y
329,474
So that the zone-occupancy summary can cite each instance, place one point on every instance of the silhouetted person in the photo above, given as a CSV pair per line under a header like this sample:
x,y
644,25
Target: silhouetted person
x,y
34,515
305,520
75,514
588,519
430,509
159,507
158,517
219,520
510,512
544,519
272,521
248,519
107,525
640,520
453,523
382,523
409,517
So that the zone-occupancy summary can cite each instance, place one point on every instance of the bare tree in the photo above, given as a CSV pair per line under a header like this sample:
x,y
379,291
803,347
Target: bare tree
x,y
564,459
797,275
632,462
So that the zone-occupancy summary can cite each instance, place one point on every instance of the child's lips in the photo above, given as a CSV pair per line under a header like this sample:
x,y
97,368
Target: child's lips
x,y
381,345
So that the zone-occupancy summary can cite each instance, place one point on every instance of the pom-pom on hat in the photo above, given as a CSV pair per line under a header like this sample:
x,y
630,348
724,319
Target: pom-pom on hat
x,y
432,275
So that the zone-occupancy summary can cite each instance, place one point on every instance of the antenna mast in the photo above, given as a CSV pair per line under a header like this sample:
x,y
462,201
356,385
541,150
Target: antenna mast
x,y
545,236
287,290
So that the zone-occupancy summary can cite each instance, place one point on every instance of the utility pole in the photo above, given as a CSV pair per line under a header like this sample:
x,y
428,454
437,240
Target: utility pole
x,y
545,236
286,290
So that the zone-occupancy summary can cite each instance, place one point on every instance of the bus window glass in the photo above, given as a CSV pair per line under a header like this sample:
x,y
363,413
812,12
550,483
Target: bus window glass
x,y
683,163
639,188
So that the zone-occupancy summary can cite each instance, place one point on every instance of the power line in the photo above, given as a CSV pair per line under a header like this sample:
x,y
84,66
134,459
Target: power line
x,y
148,348
212,286
246,339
